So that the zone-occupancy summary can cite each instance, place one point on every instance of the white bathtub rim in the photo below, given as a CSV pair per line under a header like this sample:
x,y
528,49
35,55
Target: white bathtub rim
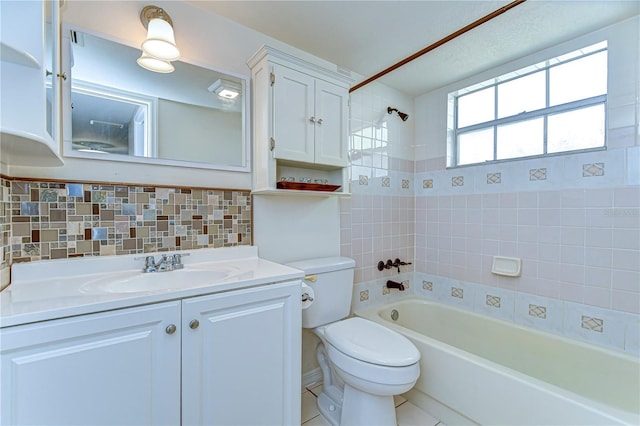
x,y
615,414
517,325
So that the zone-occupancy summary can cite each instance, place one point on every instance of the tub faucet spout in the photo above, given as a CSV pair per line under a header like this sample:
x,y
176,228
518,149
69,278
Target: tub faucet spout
x,y
393,284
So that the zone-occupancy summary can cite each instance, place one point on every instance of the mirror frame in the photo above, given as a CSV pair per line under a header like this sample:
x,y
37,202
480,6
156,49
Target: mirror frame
x,y
67,148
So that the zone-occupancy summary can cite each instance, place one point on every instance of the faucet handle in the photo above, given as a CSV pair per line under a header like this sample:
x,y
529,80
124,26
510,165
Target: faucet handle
x,y
149,263
176,260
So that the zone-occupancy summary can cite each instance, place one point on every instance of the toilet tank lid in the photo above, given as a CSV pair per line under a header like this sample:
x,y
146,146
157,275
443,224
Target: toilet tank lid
x,y
323,264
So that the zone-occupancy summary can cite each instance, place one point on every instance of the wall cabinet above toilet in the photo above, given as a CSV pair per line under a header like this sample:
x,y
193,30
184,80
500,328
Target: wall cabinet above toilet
x,y
301,129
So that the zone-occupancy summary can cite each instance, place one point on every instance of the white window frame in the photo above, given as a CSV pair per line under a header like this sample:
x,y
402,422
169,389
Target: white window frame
x,y
545,112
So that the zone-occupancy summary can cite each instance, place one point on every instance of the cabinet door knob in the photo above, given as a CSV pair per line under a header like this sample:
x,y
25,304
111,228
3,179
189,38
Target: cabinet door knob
x,y
312,119
193,324
319,120
171,328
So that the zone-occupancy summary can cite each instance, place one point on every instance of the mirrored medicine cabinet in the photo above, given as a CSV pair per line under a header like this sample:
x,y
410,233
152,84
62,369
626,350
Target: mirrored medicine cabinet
x,y
115,110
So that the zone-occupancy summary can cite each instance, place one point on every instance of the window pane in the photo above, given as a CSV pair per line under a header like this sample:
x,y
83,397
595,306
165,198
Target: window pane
x,y
521,139
580,129
579,79
475,147
522,94
476,107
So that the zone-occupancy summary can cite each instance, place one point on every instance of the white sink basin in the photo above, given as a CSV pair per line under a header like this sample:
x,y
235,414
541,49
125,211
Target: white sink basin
x,y
154,281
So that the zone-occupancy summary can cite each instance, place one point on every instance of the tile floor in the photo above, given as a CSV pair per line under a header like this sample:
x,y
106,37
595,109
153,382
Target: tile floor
x,y
407,414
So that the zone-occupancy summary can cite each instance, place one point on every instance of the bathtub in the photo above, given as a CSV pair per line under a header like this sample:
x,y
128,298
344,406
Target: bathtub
x,y
479,370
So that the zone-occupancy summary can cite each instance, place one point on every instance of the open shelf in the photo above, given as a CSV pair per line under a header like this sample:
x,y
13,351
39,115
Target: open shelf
x,y
11,54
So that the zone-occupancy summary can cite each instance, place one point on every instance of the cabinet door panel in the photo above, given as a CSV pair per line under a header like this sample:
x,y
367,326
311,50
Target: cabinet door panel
x,y
292,113
331,134
241,366
113,368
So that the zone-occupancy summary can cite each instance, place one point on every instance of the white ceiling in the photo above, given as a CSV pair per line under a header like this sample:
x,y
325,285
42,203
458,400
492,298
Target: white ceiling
x,y
369,36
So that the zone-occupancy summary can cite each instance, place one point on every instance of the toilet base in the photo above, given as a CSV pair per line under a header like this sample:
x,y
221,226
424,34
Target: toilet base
x,y
365,409
351,407
329,406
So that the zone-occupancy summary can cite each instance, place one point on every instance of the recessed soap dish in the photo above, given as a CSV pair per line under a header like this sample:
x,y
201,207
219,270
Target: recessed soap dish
x,y
506,266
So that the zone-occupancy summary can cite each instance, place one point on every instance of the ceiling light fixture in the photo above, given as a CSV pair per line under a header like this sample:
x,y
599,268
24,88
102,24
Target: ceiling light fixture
x,y
225,89
154,64
159,48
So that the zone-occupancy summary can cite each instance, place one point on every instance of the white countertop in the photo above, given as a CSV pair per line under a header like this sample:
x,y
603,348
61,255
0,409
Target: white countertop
x,y
53,289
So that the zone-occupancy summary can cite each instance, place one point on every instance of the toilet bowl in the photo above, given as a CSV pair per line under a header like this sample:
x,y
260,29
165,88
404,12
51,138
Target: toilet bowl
x,y
373,364
364,364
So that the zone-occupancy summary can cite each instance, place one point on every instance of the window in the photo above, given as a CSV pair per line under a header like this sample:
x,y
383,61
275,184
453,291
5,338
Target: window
x,y
551,107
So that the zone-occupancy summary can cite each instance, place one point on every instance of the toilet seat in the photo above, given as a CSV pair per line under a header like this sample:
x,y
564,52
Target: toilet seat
x,y
371,343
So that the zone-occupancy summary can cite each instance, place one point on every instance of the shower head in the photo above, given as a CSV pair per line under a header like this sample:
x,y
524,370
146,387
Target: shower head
x,y
402,115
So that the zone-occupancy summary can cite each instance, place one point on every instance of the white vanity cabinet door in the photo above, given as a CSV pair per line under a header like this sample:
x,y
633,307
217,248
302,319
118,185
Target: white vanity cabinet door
x,y
113,368
241,360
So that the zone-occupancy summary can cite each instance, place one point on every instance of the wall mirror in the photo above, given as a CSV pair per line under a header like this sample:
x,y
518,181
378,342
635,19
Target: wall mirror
x,y
115,110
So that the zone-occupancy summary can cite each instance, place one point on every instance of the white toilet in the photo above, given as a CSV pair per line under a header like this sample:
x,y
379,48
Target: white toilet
x,y
363,363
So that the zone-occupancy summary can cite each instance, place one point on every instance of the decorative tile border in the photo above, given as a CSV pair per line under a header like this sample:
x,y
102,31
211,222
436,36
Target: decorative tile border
x,y
427,183
363,180
593,324
364,295
538,174
537,311
569,319
386,182
457,181
457,292
493,178
594,169
52,220
493,301
551,315
405,183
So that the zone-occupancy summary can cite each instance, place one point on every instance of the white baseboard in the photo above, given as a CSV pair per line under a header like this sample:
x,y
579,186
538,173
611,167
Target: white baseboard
x,y
311,377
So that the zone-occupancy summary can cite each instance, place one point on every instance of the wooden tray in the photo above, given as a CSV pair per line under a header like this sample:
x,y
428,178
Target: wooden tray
x,y
307,186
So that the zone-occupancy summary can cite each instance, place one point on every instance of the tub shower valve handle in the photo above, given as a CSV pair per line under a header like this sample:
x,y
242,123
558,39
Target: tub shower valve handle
x,y
398,263
392,264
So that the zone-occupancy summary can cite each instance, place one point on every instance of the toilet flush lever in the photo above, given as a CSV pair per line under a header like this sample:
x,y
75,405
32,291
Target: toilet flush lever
x,y
306,297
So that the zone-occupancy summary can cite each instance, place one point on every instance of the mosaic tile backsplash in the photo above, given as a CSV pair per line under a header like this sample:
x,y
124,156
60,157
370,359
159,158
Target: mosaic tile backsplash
x,y
52,220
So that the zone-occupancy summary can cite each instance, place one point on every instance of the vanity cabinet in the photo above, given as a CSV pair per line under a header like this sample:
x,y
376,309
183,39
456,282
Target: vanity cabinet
x,y
301,122
218,359
111,368
241,357
29,121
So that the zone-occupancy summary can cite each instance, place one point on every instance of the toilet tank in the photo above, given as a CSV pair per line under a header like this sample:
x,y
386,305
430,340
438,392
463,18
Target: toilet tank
x,y
333,289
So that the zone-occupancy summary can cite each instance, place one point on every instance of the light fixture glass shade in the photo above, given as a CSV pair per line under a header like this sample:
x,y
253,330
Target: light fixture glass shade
x,y
154,64
225,89
160,42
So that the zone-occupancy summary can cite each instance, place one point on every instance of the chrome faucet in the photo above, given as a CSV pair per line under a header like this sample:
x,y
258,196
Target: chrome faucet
x,y
165,264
